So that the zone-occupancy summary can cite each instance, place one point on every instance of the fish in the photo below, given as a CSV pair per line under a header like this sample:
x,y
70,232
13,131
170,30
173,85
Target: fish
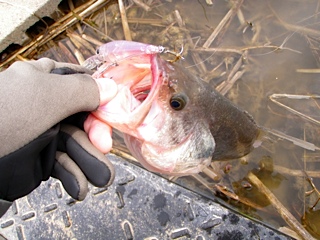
x,y
173,122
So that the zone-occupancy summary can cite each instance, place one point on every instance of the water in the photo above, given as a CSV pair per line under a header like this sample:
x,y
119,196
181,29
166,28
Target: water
x,y
266,43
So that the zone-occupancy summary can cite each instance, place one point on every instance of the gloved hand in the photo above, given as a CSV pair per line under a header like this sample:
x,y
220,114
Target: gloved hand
x,y
34,99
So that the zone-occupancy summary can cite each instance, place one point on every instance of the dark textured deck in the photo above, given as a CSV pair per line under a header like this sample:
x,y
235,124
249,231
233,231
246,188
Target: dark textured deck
x,y
138,205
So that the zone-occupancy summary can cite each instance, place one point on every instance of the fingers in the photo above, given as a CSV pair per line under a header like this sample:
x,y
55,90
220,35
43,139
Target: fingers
x,y
94,164
107,88
70,175
47,65
99,133
44,65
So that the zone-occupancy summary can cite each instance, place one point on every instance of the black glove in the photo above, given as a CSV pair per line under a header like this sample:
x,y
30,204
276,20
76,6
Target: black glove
x,y
34,144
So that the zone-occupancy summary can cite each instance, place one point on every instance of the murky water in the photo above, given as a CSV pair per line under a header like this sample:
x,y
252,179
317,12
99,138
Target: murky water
x,y
266,48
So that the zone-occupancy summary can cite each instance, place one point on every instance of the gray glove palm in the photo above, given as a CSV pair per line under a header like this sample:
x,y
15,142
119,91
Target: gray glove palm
x,y
34,145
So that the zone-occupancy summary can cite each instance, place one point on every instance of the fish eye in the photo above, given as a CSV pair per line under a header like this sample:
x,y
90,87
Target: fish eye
x,y
178,102
97,51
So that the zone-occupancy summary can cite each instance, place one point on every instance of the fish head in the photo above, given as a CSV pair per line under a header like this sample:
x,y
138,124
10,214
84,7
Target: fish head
x,y
155,107
173,122
174,137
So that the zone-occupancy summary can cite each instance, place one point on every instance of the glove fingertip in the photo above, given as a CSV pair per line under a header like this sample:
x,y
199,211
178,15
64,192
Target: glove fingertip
x,y
71,177
106,175
93,163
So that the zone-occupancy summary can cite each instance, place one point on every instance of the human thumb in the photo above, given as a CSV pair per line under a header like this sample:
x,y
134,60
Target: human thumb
x,y
107,88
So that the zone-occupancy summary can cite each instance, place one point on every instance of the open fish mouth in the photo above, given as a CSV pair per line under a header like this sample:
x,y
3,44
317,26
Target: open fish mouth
x,y
139,78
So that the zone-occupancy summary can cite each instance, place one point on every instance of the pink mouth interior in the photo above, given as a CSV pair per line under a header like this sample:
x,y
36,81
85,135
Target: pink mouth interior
x,y
138,77
141,90
139,81
141,96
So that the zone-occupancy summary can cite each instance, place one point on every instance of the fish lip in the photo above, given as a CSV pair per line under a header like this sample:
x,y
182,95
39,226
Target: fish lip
x,y
158,73
156,82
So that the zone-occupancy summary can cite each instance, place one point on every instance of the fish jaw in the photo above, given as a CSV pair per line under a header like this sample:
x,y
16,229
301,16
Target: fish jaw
x,y
188,157
126,111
